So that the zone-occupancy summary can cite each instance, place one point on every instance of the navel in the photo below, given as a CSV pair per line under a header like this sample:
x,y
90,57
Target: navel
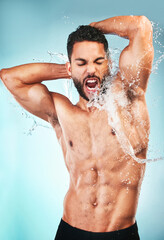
x,y
94,204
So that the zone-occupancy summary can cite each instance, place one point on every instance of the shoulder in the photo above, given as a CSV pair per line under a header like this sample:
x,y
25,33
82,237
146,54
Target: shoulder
x,y
63,106
59,97
61,101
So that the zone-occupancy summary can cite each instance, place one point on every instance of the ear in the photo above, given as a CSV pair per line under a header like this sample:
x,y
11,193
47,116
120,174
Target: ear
x,y
68,67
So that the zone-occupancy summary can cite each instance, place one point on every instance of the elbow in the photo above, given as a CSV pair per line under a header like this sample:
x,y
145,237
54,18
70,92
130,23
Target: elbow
x,y
144,24
3,75
7,79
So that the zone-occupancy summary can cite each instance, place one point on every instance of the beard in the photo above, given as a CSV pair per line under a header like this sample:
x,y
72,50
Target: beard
x,y
80,86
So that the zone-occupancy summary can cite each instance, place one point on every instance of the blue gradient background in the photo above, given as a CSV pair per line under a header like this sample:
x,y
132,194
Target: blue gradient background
x,y
33,177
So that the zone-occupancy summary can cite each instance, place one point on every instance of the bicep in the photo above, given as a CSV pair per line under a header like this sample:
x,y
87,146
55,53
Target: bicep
x,y
136,59
36,99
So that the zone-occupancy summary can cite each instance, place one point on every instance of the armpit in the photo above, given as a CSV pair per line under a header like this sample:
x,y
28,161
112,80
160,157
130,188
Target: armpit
x,y
53,120
133,94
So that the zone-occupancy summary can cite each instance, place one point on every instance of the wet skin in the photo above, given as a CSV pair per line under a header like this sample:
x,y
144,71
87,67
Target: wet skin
x,y
104,181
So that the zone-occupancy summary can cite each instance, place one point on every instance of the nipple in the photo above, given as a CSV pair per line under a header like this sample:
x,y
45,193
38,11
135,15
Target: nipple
x,y
113,131
71,143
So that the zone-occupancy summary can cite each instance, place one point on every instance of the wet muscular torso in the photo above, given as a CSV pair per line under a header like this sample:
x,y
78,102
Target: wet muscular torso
x,y
104,181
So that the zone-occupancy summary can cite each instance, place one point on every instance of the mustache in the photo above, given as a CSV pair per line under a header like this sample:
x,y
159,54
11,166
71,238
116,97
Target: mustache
x,y
91,76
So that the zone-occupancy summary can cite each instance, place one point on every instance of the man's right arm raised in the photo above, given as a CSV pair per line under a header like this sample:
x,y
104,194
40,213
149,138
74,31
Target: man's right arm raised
x,y
25,84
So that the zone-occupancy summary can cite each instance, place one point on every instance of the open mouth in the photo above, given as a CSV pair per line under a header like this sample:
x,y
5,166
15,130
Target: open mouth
x,y
91,84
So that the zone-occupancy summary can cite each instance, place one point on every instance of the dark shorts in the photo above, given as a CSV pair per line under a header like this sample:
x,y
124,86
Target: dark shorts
x,y
67,232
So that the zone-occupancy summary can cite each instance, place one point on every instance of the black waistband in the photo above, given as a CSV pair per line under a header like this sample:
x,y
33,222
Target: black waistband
x,y
66,231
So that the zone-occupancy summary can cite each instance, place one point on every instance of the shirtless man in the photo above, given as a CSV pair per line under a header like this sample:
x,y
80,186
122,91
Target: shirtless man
x,y
105,181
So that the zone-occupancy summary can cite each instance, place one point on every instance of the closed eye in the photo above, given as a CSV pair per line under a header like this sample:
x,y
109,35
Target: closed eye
x,y
80,61
99,63
99,60
81,64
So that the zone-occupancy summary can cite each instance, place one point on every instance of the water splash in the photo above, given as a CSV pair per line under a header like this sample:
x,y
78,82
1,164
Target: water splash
x,y
67,20
35,124
159,48
111,101
58,57
114,54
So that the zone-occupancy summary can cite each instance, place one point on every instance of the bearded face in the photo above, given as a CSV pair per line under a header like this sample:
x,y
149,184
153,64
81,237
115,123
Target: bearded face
x,y
88,67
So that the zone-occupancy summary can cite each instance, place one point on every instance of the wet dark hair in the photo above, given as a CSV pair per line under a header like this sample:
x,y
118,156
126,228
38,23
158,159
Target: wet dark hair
x,y
85,33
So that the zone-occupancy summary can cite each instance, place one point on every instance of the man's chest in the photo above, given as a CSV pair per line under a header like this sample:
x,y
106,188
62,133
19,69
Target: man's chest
x,y
102,132
93,136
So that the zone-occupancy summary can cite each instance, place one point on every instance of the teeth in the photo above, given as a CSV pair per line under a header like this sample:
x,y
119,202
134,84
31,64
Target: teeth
x,y
91,81
90,88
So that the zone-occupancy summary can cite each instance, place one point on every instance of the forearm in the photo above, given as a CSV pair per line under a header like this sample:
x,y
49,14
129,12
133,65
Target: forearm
x,y
124,26
34,73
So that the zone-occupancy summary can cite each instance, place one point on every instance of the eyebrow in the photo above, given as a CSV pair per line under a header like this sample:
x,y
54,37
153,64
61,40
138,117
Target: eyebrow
x,y
80,59
99,58
83,60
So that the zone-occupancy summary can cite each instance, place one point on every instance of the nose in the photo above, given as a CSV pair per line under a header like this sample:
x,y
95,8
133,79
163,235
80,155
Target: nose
x,y
90,69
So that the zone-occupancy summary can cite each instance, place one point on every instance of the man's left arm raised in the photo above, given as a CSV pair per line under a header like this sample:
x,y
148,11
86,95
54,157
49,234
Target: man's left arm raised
x,y
136,59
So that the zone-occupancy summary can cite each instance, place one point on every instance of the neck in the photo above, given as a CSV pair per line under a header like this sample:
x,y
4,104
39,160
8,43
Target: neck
x,y
83,105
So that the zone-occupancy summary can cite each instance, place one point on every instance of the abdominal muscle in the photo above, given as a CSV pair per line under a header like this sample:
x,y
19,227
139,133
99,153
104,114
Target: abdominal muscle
x,y
103,199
